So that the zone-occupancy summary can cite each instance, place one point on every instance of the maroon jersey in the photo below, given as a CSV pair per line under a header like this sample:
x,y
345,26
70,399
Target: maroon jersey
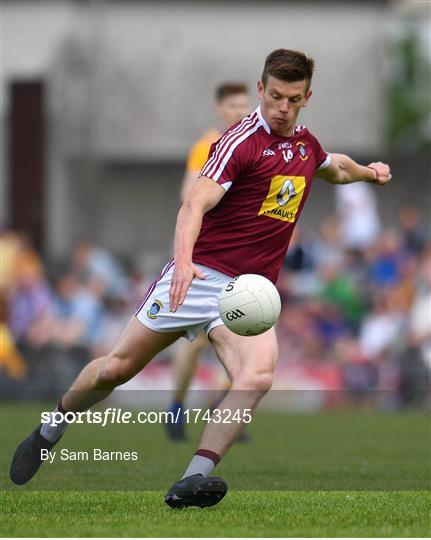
x,y
267,178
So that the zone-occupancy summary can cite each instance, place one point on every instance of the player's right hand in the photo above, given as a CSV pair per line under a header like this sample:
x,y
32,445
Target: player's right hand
x,y
182,276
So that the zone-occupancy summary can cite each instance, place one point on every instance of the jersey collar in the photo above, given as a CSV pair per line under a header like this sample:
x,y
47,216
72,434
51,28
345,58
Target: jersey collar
x,y
262,120
266,127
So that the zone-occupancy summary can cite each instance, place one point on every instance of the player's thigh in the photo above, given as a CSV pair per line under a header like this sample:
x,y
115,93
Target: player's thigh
x,y
138,344
199,344
239,354
186,350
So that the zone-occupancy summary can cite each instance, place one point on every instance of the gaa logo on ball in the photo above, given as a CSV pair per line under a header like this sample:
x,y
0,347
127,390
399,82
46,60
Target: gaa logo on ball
x,y
234,315
249,305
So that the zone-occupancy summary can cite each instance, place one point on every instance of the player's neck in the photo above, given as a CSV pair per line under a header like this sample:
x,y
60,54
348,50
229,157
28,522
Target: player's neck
x,y
288,132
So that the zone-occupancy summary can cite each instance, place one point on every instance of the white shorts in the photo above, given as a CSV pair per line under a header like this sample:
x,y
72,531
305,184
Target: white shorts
x,y
198,312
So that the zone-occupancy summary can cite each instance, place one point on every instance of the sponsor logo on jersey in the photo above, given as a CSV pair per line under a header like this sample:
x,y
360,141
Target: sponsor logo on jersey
x,y
302,150
281,214
284,197
268,152
156,306
283,145
234,315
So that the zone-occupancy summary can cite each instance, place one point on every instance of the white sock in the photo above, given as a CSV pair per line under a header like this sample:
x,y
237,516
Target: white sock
x,y
199,465
53,433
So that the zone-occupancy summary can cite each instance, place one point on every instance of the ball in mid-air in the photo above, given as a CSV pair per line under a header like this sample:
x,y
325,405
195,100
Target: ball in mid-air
x,y
249,305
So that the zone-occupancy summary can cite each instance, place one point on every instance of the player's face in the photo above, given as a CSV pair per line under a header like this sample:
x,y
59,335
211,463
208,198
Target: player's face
x,y
233,108
281,102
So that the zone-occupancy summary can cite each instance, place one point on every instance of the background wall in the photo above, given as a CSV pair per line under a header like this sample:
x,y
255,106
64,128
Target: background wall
x,y
146,70
129,88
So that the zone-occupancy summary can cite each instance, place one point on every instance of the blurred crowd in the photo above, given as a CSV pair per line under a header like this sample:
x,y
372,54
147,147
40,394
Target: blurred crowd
x,y
355,296
54,319
359,296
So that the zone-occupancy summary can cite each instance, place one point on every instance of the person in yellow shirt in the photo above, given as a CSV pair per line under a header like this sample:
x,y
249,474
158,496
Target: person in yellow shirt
x,y
232,103
11,361
18,262
10,358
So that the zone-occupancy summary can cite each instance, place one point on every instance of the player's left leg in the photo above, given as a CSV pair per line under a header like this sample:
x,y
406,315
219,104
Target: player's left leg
x,y
250,362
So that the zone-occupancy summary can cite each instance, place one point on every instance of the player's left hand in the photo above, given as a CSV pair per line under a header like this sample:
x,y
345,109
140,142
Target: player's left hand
x,y
382,173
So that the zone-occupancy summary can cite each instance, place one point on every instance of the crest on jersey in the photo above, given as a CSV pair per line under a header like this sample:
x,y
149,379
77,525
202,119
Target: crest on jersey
x,y
156,306
302,150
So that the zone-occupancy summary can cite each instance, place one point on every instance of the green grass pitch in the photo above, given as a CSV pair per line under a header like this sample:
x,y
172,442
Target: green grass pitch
x,y
348,473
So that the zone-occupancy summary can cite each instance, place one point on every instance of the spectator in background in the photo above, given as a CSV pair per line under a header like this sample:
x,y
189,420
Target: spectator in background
x,y
420,316
341,291
328,320
78,310
356,208
24,298
138,285
299,257
10,244
92,263
295,326
386,260
414,233
327,249
359,375
415,359
18,259
112,321
382,328
11,360
29,302
298,276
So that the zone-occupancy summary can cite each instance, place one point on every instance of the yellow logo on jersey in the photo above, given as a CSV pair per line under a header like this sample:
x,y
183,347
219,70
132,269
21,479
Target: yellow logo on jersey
x,y
284,197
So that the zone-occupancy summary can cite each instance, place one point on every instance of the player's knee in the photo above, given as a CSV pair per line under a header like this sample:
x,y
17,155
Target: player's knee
x,y
113,372
263,381
260,381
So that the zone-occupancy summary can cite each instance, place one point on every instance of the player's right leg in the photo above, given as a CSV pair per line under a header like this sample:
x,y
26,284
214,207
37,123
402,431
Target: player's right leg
x,y
184,362
134,349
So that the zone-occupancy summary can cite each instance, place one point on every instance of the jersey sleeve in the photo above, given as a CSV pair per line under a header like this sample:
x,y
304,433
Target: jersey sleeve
x,y
228,159
323,159
197,156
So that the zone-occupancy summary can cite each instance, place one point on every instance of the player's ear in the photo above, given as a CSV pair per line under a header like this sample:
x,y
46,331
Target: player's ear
x,y
260,89
307,97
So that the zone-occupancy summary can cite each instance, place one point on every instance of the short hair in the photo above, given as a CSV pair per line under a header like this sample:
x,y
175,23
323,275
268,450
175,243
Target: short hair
x,y
225,90
288,65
